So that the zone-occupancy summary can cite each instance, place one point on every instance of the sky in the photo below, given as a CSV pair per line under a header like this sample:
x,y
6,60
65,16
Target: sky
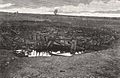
x,y
107,8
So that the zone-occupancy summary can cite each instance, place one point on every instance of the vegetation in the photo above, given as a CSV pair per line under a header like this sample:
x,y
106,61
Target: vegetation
x,y
56,11
97,37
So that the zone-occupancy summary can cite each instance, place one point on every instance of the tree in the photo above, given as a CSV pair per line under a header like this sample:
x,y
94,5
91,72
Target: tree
x,y
55,11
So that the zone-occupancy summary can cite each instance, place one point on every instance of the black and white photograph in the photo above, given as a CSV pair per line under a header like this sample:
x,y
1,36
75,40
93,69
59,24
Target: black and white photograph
x,y
59,38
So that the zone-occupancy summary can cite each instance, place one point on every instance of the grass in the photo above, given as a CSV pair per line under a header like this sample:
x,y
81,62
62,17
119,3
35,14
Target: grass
x,y
98,64
101,64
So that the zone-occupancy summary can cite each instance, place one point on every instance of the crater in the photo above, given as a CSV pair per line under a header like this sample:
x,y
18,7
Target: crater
x,y
45,36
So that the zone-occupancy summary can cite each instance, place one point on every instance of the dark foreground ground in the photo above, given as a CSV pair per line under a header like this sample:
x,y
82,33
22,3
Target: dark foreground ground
x,y
97,64
103,64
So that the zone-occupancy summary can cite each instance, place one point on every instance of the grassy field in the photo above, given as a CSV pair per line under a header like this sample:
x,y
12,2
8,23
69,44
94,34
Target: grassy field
x,y
97,64
103,64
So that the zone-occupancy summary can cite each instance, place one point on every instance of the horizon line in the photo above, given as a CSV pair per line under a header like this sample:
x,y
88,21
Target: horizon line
x,y
73,14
